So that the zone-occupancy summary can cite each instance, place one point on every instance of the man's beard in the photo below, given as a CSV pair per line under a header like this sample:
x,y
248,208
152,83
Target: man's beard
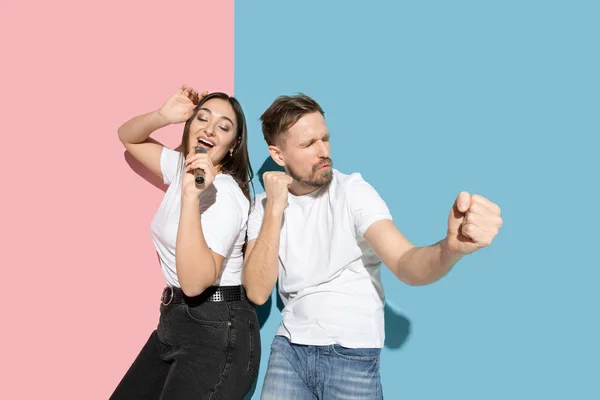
x,y
317,178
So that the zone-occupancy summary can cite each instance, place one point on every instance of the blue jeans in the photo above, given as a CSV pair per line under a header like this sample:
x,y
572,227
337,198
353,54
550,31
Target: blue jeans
x,y
298,372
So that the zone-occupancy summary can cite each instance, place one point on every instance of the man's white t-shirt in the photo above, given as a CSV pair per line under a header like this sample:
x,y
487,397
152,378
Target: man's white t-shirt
x,y
329,278
224,210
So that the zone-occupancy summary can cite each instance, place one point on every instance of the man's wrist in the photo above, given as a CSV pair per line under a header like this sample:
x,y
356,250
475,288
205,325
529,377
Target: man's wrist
x,y
448,255
273,210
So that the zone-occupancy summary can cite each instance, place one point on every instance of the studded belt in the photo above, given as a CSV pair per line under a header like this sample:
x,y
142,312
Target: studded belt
x,y
214,294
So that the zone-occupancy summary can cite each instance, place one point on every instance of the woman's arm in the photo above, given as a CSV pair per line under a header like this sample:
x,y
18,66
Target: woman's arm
x,y
135,133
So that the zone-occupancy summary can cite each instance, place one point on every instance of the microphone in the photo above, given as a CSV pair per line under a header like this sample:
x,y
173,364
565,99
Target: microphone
x,y
198,173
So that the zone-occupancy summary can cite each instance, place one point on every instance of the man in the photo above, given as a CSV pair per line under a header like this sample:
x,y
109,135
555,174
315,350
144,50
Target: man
x,y
324,235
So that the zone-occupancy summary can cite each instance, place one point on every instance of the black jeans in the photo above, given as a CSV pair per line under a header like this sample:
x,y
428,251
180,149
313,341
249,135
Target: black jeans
x,y
199,351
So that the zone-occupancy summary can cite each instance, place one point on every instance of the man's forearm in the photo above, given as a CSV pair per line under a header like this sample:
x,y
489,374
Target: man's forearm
x,y
262,266
424,265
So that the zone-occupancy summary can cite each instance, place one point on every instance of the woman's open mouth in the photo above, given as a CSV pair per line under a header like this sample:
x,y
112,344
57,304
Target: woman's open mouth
x,y
206,143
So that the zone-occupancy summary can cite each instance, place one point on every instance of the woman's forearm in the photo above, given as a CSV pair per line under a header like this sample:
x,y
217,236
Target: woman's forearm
x,y
196,266
139,128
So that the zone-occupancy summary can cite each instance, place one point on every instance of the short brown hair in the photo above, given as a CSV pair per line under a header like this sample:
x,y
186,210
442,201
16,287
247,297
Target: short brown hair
x,y
285,112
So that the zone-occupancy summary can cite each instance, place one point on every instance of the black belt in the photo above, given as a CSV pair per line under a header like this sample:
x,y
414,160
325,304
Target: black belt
x,y
214,294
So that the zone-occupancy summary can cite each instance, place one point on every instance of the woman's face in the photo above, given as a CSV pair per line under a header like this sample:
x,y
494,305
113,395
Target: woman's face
x,y
215,129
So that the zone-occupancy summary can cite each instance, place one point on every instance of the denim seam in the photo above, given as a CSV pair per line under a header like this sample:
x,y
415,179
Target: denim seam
x,y
355,358
227,362
294,367
242,307
249,366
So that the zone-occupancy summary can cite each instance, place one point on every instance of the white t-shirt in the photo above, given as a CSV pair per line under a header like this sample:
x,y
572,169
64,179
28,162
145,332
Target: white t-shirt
x,y
329,278
224,210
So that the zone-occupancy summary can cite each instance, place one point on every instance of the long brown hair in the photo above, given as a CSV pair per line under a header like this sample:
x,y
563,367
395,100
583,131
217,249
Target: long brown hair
x,y
238,164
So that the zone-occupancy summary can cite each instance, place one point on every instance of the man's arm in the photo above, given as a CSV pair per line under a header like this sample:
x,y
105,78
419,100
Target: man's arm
x,y
261,264
413,265
472,224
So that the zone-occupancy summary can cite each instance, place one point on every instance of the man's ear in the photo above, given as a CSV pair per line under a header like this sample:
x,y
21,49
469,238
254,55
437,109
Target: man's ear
x,y
276,155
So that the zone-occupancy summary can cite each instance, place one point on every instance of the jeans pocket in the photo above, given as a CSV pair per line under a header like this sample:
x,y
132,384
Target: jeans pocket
x,y
201,317
254,349
361,354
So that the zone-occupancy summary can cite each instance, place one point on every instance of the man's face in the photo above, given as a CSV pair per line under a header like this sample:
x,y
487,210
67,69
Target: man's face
x,y
304,150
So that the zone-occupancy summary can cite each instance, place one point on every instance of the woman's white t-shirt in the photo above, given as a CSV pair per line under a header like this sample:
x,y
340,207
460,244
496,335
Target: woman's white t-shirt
x,y
224,210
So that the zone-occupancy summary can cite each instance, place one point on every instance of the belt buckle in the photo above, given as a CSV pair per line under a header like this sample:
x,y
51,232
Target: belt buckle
x,y
164,295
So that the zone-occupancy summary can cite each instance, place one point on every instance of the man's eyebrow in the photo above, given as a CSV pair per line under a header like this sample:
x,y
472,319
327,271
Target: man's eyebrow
x,y
326,135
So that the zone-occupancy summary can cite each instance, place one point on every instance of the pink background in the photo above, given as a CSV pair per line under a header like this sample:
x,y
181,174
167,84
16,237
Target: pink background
x,y
81,278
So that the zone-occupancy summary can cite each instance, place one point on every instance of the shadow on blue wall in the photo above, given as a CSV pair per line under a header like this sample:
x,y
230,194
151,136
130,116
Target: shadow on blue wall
x,y
268,166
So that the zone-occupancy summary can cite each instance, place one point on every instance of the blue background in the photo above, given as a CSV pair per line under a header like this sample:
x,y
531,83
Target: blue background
x,y
428,98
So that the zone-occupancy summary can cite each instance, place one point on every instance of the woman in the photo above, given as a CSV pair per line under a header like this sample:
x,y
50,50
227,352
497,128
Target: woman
x,y
207,344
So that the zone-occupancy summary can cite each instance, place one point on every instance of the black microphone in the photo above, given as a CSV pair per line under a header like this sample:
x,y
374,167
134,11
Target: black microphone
x,y
198,173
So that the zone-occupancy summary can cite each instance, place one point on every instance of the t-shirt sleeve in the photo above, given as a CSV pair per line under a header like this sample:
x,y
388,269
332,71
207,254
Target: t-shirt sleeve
x,y
256,217
169,164
365,204
224,220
